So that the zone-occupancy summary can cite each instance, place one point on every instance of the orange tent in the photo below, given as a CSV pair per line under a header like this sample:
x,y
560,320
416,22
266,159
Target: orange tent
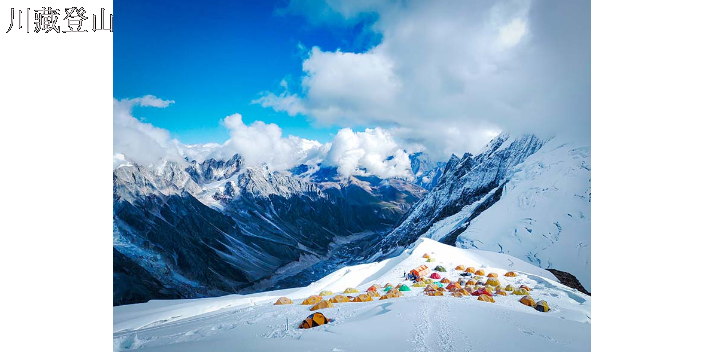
x,y
471,282
470,270
321,305
435,293
421,271
456,294
445,280
426,255
373,294
510,274
460,267
454,286
313,320
528,300
463,292
493,275
525,287
312,300
363,298
283,300
339,299
486,298
479,272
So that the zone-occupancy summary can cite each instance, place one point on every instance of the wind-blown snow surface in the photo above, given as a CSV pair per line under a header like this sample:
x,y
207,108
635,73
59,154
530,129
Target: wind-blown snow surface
x,y
411,323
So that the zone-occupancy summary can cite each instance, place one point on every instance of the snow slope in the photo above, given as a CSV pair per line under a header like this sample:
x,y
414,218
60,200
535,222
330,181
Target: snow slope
x,y
544,214
411,323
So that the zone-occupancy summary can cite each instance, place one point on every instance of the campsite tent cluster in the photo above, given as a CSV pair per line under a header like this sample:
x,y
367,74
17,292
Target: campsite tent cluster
x,y
472,282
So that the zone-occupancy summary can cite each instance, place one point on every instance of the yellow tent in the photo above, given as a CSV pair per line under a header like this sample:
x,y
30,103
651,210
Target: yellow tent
x,y
510,274
460,267
419,284
392,294
470,270
479,272
426,255
283,300
525,287
313,320
326,293
363,298
509,288
486,298
430,260
339,299
463,292
456,294
434,293
527,300
501,292
492,281
542,306
321,305
471,282
351,290
428,281
373,294
312,300
520,291
493,275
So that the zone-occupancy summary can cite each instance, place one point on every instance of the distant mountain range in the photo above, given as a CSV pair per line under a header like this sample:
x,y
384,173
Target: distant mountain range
x,y
190,229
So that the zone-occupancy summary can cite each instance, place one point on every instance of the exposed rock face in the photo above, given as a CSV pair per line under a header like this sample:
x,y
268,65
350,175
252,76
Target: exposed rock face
x,y
569,280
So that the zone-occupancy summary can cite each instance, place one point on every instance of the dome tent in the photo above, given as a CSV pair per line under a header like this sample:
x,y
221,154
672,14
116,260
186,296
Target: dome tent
x,y
527,300
440,268
313,320
542,306
282,301
321,305
312,300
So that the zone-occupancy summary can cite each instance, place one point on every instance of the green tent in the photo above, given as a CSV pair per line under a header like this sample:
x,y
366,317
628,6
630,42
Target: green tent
x,y
404,288
388,288
440,268
439,284
430,260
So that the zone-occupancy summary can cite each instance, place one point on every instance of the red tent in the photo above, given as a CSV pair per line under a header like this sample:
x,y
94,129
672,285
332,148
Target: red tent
x,y
435,276
481,291
371,288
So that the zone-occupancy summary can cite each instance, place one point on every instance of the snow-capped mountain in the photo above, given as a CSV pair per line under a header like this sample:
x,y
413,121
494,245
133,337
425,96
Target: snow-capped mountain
x,y
413,322
193,229
426,171
520,195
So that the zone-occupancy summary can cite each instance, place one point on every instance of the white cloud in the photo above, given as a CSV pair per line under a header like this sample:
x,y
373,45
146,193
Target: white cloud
x,y
450,74
373,151
137,141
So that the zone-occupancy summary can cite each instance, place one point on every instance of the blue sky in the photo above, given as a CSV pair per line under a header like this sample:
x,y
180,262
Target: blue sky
x,y
214,58
371,80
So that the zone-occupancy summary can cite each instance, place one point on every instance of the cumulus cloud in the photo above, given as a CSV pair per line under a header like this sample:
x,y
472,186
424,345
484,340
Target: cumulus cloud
x,y
450,74
140,142
370,152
